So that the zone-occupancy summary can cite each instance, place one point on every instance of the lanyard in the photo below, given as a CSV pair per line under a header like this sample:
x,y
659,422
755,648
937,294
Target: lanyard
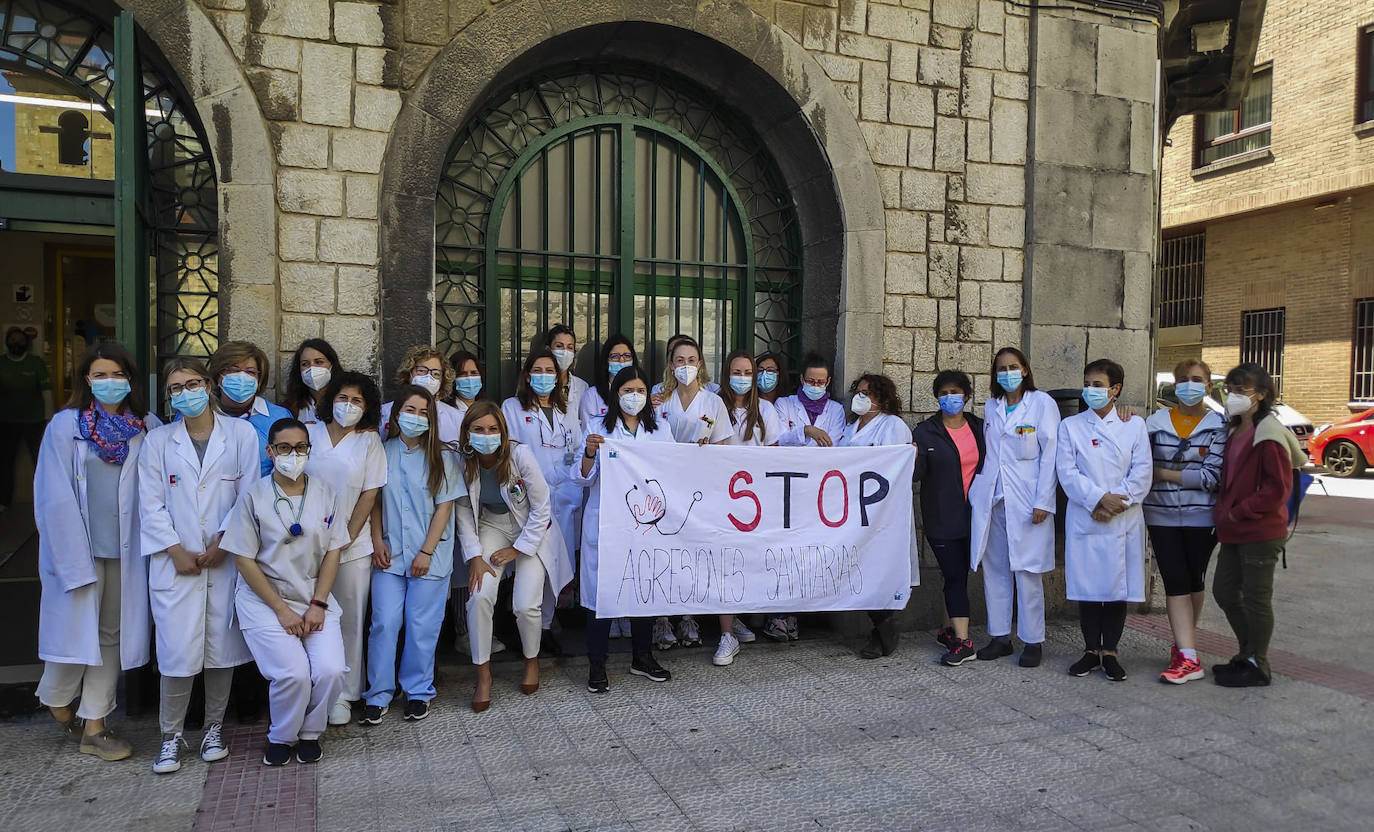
x,y
294,529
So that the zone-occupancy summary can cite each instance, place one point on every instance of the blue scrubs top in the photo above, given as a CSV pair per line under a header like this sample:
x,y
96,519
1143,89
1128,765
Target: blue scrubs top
x,y
407,507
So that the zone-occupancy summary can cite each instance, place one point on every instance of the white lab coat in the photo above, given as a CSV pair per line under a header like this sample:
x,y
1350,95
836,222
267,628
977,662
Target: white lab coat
x,y
186,501
771,426
795,420
705,417
576,389
532,512
450,420
592,518
355,465
554,447
1097,456
1021,452
591,409
69,611
886,429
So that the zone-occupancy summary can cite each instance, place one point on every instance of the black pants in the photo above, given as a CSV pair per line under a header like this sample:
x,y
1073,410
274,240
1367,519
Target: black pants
x,y
11,434
599,636
953,556
1182,553
1102,623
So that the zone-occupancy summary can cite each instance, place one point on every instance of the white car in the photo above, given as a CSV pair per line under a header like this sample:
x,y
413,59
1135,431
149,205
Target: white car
x,y
1290,418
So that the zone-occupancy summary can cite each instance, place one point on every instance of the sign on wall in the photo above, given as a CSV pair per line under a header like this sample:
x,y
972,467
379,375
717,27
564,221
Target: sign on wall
x,y
688,529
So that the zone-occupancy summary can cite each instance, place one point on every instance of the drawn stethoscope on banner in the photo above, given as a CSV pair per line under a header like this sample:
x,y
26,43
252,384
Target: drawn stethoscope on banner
x,y
652,506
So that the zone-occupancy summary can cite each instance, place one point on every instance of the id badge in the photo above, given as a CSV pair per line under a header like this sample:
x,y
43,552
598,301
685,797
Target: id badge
x,y
568,455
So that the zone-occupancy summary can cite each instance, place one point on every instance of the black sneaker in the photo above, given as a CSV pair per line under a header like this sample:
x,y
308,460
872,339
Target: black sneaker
x,y
309,751
961,652
1230,667
648,667
278,754
416,709
1090,662
945,638
997,648
548,645
1113,668
372,714
596,678
1246,675
873,648
1031,655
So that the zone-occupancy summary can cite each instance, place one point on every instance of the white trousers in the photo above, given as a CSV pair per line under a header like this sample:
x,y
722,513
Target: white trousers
x,y
1001,586
497,531
96,683
305,676
351,589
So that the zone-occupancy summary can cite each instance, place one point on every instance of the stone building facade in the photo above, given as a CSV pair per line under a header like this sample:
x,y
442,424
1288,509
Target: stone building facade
x,y
966,174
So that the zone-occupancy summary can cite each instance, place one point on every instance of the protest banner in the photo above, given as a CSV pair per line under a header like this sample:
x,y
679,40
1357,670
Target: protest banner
x,y
688,529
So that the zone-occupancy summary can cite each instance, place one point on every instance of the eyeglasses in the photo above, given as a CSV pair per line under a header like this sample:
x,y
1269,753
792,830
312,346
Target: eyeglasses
x,y
282,448
425,371
195,385
621,356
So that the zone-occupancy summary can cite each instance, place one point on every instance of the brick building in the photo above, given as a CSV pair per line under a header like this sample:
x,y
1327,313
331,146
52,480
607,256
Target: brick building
x,y
1268,215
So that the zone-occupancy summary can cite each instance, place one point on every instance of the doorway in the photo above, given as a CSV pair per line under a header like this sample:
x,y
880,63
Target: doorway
x,y
84,312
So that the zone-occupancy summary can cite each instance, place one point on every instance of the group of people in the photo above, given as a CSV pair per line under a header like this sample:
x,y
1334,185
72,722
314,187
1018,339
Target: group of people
x,y
322,537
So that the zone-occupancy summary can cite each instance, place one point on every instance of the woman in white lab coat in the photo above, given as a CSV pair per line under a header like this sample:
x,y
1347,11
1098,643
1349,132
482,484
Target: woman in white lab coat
x,y
191,473
617,353
1013,504
346,453
1106,467
285,533
505,524
697,415
93,613
312,366
628,418
426,368
873,420
561,341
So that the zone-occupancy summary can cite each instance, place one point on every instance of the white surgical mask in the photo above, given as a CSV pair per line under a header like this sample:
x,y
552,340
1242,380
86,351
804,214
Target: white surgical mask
x,y
1237,403
347,414
289,465
316,377
860,404
632,403
564,359
685,374
429,382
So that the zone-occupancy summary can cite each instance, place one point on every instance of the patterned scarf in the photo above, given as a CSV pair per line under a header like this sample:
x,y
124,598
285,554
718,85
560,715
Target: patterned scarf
x,y
814,407
110,434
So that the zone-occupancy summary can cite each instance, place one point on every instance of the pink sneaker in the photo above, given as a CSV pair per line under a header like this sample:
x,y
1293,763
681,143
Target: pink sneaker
x,y
1182,670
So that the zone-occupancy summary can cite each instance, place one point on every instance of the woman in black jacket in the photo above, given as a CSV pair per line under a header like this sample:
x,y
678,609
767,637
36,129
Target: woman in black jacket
x,y
949,452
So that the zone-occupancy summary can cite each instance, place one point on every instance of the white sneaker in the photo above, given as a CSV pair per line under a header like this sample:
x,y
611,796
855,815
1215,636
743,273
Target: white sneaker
x,y
688,633
726,652
169,758
663,634
212,745
742,633
341,713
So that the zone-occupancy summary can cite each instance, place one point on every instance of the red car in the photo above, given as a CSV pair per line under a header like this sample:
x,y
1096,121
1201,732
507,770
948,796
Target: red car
x,y
1345,448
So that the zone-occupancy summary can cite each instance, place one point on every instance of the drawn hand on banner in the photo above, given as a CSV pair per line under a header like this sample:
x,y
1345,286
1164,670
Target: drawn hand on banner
x,y
649,505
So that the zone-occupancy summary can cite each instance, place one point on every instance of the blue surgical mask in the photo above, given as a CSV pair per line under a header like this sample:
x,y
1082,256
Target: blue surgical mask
x,y
468,386
1010,380
542,383
191,403
240,387
952,403
110,391
484,443
813,392
768,379
615,367
412,425
1190,392
741,384
1096,397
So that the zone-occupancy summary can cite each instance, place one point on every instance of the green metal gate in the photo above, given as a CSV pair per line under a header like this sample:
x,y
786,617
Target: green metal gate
x,y
612,199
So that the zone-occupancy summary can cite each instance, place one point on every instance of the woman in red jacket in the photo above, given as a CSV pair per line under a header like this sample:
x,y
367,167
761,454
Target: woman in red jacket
x,y
1252,520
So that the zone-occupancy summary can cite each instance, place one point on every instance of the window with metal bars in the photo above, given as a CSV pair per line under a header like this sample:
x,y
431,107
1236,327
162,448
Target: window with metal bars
x,y
1364,77
1179,273
1223,135
1362,356
613,198
1261,341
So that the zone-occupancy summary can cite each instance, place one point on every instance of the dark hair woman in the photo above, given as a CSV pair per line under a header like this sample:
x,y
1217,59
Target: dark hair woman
x,y
312,366
617,353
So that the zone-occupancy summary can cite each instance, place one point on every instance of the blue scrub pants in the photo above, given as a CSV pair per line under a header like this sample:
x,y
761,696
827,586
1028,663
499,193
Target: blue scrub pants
x,y
417,606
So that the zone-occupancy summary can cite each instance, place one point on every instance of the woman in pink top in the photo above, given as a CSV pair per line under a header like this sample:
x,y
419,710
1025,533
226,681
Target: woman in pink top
x,y
949,452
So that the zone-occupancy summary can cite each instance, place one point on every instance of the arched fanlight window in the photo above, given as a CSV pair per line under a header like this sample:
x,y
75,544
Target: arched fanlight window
x,y
612,198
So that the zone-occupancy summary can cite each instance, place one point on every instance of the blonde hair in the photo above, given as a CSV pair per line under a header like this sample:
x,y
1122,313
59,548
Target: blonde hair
x,y
1188,363
421,353
703,374
190,364
472,468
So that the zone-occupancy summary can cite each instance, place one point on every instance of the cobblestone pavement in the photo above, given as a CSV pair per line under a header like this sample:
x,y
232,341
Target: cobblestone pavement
x,y
800,736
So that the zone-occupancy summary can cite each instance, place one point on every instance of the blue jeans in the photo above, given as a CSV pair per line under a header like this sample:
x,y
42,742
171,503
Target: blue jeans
x,y
417,606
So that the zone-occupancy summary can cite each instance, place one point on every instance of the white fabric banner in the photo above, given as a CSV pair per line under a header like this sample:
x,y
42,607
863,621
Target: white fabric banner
x,y
688,529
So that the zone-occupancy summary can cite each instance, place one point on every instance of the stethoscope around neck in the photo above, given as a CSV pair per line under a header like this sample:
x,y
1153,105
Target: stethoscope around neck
x,y
294,528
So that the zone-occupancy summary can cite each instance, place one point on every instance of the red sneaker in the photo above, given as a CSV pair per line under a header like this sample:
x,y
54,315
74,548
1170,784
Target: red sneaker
x,y
1174,656
1182,670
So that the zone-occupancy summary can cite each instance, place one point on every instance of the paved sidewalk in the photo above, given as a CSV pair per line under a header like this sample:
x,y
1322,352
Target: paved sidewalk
x,y
801,736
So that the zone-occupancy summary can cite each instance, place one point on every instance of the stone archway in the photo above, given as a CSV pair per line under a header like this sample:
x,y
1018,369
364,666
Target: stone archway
x,y
725,46
242,156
